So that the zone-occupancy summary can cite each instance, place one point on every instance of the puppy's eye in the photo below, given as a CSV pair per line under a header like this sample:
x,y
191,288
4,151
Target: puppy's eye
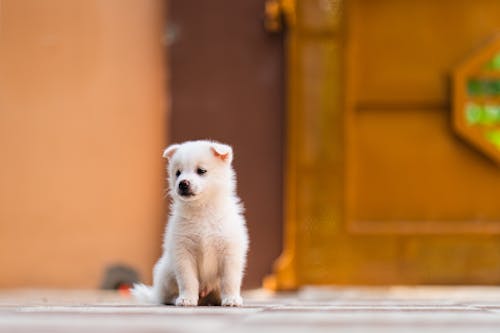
x,y
201,171
178,173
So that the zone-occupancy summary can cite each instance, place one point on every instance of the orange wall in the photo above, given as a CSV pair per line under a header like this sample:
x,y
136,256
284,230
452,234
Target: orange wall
x,y
82,126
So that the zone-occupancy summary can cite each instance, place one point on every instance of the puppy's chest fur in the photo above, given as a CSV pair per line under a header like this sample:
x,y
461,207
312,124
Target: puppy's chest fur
x,y
210,249
206,241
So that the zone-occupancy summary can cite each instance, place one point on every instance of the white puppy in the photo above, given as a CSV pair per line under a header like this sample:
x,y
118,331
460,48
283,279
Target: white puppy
x,y
206,241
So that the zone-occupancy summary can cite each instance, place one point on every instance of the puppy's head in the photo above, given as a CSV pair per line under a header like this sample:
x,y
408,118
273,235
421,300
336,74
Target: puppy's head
x,y
198,170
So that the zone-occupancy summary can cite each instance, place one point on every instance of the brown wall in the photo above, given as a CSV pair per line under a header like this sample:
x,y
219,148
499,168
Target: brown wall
x,y
82,126
227,84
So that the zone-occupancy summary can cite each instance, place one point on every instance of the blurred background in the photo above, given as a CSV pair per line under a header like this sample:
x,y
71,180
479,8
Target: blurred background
x,y
91,92
366,136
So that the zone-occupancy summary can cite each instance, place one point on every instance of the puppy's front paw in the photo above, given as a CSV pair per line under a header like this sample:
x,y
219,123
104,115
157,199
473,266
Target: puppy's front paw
x,y
233,300
186,301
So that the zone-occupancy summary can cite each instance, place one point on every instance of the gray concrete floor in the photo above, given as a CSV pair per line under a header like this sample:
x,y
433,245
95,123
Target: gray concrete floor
x,y
392,309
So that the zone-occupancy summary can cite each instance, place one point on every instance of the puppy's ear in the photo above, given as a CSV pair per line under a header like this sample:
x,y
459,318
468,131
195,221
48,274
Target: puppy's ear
x,y
222,152
170,151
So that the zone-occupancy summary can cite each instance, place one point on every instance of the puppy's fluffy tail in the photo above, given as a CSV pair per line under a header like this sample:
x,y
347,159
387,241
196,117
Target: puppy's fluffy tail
x,y
144,294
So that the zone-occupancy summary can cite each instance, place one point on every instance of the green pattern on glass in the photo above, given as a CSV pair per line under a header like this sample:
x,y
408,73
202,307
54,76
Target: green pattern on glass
x,y
494,63
494,137
483,87
488,114
491,114
473,113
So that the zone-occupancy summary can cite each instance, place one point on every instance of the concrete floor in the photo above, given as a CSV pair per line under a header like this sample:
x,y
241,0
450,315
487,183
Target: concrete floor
x,y
394,309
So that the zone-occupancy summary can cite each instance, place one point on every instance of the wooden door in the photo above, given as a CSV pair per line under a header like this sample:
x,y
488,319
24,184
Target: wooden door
x,y
227,85
390,181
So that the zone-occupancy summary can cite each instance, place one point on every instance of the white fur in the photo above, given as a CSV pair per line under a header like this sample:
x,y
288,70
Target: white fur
x,y
206,241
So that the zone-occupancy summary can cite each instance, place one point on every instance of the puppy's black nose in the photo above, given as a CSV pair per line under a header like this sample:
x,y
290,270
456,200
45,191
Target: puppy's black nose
x,y
184,185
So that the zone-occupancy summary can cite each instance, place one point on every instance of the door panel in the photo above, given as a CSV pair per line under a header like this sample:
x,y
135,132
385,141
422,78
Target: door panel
x,y
405,50
410,166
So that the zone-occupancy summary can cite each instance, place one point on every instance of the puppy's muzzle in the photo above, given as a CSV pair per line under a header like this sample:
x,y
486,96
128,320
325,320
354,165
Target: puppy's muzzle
x,y
185,188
